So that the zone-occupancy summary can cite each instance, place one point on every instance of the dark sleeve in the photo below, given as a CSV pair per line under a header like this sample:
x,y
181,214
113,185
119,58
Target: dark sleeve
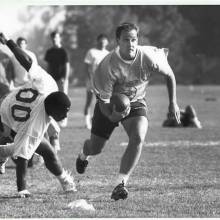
x,y
65,56
46,57
23,58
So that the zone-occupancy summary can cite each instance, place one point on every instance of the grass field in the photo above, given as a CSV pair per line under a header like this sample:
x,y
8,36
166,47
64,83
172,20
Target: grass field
x,y
178,174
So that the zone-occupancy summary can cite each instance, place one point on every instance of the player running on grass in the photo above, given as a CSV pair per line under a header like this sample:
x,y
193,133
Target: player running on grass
x,y
92,59
126,70
25,114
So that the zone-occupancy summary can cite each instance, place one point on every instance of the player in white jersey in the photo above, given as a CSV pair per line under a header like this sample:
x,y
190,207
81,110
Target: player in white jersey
x,y
92,59
21,78
126,70
25,116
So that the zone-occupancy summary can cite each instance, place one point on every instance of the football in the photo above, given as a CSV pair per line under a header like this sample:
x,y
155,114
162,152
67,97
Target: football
x,y
120,101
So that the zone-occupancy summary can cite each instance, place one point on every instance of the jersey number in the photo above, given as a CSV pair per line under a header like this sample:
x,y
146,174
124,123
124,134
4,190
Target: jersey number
x,y
25,109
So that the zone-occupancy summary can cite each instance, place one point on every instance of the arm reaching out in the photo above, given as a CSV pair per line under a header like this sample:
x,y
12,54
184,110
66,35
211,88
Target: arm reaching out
x,y
23,58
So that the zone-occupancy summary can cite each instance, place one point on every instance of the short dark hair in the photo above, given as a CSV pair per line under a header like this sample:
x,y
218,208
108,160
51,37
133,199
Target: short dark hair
x,y
125,27
101,36
20,39
53,33
57,100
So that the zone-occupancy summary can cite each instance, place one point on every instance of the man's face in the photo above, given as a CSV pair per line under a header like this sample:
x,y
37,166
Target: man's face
x,y
103,42
59,115
56,39
23,45
127,43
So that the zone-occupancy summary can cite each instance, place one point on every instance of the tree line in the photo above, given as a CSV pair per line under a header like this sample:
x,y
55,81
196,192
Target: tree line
x,y
191,33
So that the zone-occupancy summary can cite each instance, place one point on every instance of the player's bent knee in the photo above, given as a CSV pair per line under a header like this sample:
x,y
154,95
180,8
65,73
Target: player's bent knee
x,y
94,145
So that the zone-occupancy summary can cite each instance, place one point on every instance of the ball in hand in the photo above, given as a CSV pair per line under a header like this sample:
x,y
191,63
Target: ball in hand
x,y
120,101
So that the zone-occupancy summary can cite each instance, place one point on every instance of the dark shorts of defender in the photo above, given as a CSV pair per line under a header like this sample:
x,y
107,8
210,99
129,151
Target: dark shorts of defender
x,y
103,127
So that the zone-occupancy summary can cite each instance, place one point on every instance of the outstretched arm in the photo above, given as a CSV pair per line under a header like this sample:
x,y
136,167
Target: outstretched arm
x,y
23,58
171,87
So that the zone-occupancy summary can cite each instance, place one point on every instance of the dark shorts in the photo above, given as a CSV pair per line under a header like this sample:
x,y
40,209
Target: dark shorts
x,y
103,127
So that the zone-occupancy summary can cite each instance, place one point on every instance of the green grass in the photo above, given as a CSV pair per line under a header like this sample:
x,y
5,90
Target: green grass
x,y
169,181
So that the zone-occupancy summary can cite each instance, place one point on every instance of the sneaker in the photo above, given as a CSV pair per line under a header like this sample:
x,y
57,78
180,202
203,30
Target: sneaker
x,y
24,193
67,182
2,166
119,192
81,165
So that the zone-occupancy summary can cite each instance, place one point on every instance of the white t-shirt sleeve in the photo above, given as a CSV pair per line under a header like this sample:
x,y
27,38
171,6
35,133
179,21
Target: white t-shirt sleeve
x,y
41,80
104,81
88,58
158,59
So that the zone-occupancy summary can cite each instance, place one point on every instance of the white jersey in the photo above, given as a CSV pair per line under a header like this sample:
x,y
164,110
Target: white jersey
x,y
23,111
93,57
21,75
115,75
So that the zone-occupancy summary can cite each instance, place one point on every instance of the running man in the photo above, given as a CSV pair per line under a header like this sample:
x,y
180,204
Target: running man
x,y
126,70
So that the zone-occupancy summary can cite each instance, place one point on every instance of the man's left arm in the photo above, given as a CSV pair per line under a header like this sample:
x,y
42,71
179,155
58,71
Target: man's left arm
x,y
164,68
173,108
67,69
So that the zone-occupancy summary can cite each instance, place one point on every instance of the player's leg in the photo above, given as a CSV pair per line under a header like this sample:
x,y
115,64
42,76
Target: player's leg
x,y
135,125
91,147
102,129
21,173
5,152
53,164
136,128
87,109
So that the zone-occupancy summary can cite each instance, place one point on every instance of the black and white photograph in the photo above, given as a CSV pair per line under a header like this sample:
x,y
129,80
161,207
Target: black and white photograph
x,y
109,110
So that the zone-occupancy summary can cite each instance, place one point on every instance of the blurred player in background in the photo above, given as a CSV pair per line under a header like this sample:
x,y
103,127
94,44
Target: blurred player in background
x,y
58,65
126,70
25,115
92,59
188,118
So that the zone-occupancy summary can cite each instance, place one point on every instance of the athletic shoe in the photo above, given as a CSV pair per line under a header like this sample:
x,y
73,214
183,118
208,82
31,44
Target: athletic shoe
x,y
2,166
81,165
119,192
67,182
24,193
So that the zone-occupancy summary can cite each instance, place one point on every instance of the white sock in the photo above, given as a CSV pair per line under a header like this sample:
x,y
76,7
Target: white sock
x,y
88,121
62,175
122,178
82,156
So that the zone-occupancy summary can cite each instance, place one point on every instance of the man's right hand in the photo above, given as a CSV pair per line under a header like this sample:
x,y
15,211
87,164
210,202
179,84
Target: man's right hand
x,y
117,116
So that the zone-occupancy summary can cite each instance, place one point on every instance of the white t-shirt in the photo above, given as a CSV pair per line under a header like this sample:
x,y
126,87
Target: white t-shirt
x,y
93,57
115,75
21,75
23,111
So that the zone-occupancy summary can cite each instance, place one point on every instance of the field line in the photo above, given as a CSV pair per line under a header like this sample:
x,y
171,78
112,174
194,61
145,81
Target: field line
x,y
179,143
